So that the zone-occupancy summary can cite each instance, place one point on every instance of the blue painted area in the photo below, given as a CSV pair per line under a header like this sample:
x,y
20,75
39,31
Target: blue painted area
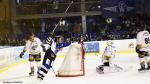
x,y
25,56
92,47
17,51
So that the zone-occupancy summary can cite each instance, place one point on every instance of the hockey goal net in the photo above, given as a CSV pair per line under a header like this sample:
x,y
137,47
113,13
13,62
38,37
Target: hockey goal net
x,y
73,63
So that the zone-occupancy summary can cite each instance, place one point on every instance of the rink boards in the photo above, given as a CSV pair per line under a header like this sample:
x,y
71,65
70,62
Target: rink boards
x,y
9,57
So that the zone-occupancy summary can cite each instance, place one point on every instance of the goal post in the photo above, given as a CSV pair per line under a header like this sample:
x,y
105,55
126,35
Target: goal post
x,y
73,63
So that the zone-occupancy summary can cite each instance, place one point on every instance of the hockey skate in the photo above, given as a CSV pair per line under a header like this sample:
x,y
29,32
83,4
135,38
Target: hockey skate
x,y
39,78
100,69
148,68
141,69
31,73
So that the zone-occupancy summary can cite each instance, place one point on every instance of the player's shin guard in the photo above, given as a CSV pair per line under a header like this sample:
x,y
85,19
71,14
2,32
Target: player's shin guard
x,y
142,63
32,68
38,66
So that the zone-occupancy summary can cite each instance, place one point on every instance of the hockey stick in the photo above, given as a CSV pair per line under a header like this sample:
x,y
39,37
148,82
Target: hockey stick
x,y
61,18
56,28
117,67
49,39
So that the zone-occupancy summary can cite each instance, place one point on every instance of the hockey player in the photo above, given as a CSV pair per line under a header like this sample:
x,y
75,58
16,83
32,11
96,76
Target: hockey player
x,y
50,56
108,54
143,49
34,47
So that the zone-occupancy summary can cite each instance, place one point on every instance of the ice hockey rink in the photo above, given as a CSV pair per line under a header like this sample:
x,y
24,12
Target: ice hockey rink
x,y
18,73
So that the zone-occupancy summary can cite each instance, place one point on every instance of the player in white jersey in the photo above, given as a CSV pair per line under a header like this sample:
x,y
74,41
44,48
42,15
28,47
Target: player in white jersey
x,y
143,49
34,47
108,54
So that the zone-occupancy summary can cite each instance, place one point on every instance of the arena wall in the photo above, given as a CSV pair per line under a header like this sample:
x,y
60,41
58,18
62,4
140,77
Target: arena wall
x,y
10,55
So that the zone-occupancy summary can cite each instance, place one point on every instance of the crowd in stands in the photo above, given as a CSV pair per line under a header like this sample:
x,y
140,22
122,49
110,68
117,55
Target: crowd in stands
x,y
126,28
27,7
6,41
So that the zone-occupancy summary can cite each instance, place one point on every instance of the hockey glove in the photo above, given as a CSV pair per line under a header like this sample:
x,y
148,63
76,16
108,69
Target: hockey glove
x,y
21,54
43,47
49,40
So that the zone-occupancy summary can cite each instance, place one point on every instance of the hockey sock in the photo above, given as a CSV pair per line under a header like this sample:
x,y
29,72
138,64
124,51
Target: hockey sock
x,y
38,65
44,68
32,66
32,69
148,60
142,62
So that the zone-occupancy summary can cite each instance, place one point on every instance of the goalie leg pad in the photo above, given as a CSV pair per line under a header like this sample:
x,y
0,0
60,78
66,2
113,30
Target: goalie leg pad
x,y
142,64
142,59
106,60
147,58
148,62
100,69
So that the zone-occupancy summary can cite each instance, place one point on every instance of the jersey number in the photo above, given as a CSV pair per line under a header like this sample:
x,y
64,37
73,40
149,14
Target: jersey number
x,y
147,40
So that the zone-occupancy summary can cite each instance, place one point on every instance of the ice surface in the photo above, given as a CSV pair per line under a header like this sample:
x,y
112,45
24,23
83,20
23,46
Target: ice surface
x,y
19,73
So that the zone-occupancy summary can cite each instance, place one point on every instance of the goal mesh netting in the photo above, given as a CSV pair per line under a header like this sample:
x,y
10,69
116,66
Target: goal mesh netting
x,y
73,63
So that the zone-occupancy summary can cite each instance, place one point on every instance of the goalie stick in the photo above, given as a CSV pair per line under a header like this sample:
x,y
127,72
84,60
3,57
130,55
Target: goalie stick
x,y
115,66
